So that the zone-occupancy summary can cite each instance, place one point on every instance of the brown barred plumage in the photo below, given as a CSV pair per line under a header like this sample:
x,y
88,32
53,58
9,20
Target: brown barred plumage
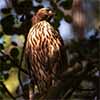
x,y
44,50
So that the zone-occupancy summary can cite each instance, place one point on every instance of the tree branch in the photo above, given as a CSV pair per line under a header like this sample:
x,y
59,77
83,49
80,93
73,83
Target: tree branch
x,y
7,91
14,62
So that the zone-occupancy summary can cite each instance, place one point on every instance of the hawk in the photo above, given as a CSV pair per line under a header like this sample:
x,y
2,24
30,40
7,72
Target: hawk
x,y
44,50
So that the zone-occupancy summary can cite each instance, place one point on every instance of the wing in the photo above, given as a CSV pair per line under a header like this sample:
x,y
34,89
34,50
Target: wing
x,y
44,49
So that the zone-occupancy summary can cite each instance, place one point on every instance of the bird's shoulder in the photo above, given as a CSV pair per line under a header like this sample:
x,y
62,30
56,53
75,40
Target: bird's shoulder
x,y
41,24
44,30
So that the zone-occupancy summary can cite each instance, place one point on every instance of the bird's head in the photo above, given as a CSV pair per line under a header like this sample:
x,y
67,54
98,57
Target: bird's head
x,y
45,14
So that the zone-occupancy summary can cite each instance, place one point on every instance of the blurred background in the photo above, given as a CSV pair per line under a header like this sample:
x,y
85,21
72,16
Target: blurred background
x,y
74,19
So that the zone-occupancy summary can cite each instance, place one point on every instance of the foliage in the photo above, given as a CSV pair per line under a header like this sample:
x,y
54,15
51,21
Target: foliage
x,y
83,55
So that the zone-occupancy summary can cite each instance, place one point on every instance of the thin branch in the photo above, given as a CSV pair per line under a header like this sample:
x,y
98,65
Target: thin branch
x,y
14,62
68,83
7,91
20,64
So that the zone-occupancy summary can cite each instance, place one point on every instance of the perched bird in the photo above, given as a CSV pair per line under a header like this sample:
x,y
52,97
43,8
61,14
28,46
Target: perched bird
x,y
44,50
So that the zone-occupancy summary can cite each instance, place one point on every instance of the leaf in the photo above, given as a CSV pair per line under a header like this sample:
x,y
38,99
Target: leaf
x,y
12,82
14,52
1,46
58,15
67,4
1,77
7,41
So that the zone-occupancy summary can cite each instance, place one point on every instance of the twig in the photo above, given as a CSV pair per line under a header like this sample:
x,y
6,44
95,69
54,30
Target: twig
x,y
20,64
16,65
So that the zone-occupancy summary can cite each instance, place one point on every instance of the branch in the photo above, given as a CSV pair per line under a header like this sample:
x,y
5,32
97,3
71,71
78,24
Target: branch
x,y
14,62
7,91
20,64
68,83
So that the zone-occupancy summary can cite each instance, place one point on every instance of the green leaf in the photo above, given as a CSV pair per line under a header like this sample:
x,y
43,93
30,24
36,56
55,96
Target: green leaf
x,y
1,77
58,15
14,52
1,46
67,4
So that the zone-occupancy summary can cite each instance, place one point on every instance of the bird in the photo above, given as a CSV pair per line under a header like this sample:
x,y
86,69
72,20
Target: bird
x,y
44,51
